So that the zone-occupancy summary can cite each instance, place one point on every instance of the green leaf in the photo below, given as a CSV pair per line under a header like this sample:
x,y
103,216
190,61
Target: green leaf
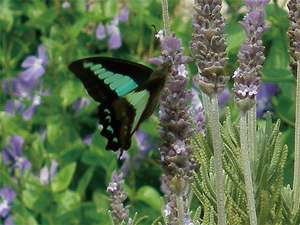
x,y
69,92
41,16
63,178
35,197
85,180
235,37
98,156
278,58
6,16
67,201
102,202
76,28
277,75
150,196
285,108
73,153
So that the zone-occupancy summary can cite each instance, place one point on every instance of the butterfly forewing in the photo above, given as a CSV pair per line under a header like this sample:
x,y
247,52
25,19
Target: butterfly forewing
x,y
121,88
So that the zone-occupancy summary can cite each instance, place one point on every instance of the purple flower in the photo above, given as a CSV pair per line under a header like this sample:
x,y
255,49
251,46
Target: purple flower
x,y
12,155
23,87
9,221
197,112
88,139
208,45
112,29
124,14
224,97
251,57
47,173
265,93
142,140
14,106
66,5
294,17
35,66
18,88
80,103
100,32
117,197
144,144
175,125
7,195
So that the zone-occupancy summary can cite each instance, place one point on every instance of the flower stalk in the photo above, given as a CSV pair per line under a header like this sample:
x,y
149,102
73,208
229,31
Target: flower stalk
x,y
165,14
294,34
247,169
247,81
208,48
214,122
175,128
296,182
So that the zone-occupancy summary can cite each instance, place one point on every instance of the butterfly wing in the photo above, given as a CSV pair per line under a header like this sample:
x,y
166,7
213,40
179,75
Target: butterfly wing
x,y
113,82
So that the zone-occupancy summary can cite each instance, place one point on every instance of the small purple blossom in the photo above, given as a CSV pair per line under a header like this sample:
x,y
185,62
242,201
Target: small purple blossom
x,y
7,196
13,107
124,14
118,195
112,29
66,5
80,103
224,97
176,126
22,87
126,164
265,93
47,174
9,221
12,155
294,17
197,112
35,66
88,139
144,144
208,45
100,32
36,101
251,57
16,107
18,88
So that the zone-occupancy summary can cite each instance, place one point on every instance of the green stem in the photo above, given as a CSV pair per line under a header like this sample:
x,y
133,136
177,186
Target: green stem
x,y
247,170
165,15
296,182
252,133
180,208
205,100
214,123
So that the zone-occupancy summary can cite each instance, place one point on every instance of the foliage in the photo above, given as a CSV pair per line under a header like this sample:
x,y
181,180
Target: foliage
x,y
267,166
41,109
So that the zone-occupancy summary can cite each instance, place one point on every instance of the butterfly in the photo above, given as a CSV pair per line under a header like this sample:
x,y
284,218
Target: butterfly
x,y
128,93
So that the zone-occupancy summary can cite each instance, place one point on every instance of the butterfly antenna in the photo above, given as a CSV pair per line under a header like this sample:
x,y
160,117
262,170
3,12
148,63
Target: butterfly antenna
x,y
154,28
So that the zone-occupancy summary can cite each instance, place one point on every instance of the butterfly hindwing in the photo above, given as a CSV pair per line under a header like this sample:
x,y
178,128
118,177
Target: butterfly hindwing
x,y
128,93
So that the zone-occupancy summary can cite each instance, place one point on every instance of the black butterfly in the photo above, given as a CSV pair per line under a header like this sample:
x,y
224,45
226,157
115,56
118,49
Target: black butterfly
x,y
128,93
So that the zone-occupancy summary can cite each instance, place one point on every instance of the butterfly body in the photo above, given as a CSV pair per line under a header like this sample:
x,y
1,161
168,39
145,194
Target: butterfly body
x,y
128,93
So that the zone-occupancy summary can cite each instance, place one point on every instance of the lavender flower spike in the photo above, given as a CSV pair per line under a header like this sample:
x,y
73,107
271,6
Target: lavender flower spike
x,y
208,45
294,33
119,213
175,128
251,57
